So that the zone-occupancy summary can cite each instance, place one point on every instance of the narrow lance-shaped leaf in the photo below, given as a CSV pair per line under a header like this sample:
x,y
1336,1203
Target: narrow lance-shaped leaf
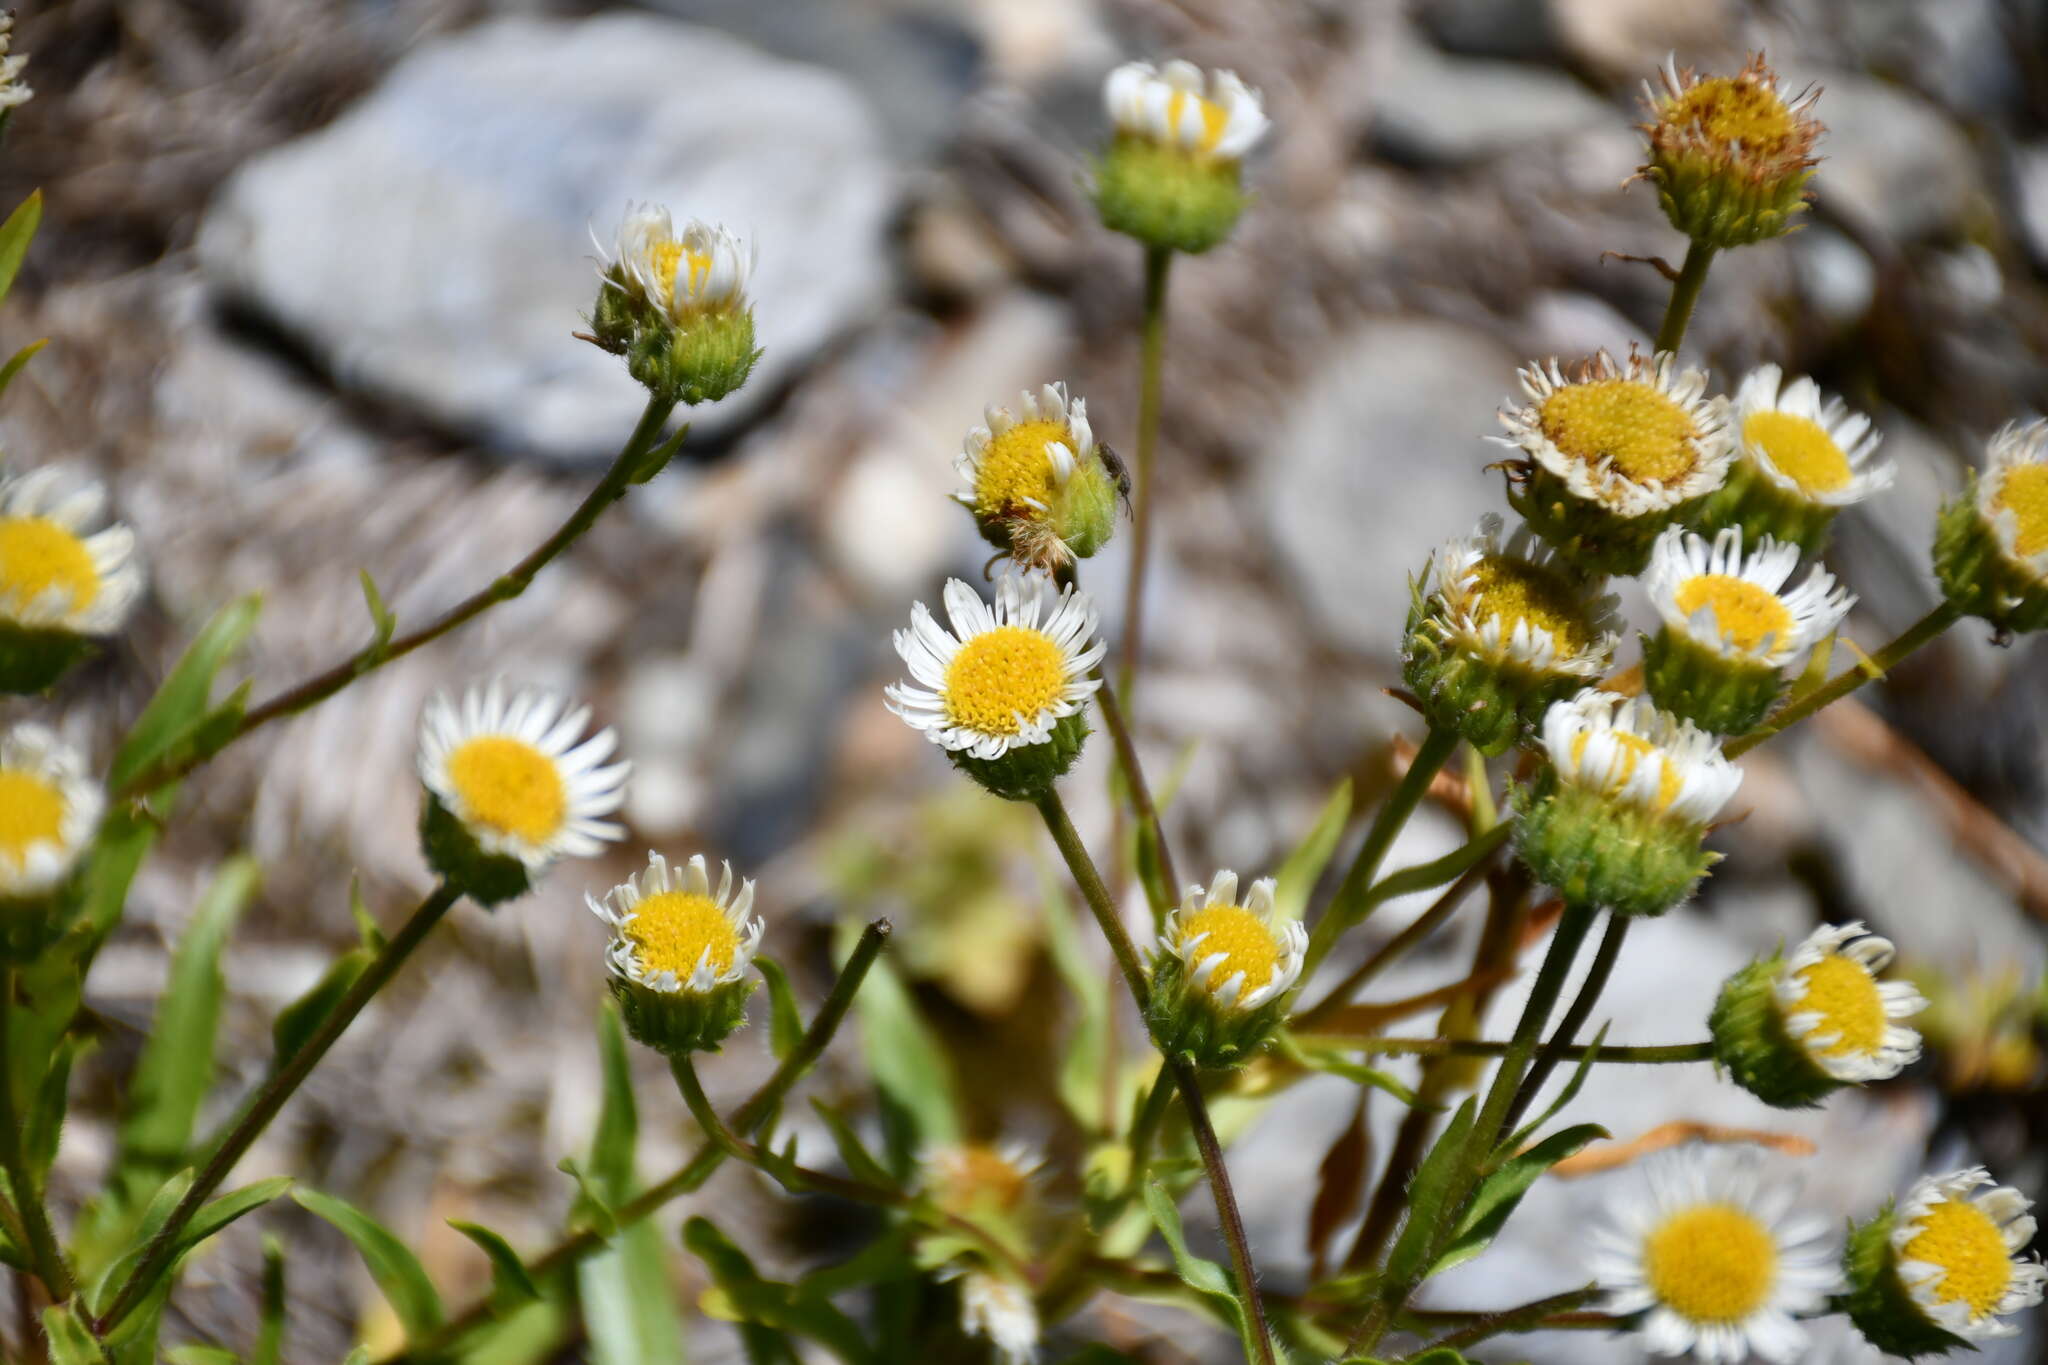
x,y
907,1061
180,706
785,1020
392,1265
1209,1280
510,1280
1427,1195
1500,1192
1304,866
15,235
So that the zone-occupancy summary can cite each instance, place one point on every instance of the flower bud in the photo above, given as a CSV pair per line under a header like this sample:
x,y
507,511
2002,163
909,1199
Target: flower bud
x,y
61,585
675,306
1171,177
1939,1272
1730,156
680,954
1221,973
1991,545
1037,483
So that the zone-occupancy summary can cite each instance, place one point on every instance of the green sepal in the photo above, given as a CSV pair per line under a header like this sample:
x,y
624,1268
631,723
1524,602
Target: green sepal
x,y
1878,1302
30,924
1595,540
1697,683
1977,577
1712,200
1752,1046
487,878
1598,850
1761,508
1185,1020
677,1023
32,659
1028,771
1167,197
697,361
1492,703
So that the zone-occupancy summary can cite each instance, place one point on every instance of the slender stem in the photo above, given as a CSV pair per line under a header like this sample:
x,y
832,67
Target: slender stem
x,y
44,1252
1685,292
1575,1016
1152,365
1652,1055
617,479
1429,760
1147,1126
1425,924
1519,1319
1141,794
1921,632
262,1106
694,1172
1096,894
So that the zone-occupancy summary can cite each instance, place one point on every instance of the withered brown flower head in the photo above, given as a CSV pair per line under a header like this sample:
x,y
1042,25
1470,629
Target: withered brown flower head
x,y
1730,155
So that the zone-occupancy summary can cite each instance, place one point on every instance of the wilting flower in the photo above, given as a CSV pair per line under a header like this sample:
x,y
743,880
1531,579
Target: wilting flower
x,y
675,305
1730,155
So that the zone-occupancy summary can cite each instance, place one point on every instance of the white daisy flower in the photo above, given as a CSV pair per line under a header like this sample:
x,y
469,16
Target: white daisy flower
x,y
49,809
1214,115
1958,1251
1808,445
999,1310
55,573
12,91
1627,749
518,774
1235,951
1837,1010
1018,459
1519,603
702,269
672,933
1716,1258
1634,439
1737,605
2012,495
1005,673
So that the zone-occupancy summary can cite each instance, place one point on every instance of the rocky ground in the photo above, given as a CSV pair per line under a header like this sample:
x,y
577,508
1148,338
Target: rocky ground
x,y
310,272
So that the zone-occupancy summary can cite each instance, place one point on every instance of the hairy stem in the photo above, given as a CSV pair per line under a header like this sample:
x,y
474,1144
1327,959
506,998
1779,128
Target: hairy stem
x,y
1152,365
1147,1126
1685,292
371,657
44,1252
262,1106
1096,894
1395,948
1141,799
1575,1016
1656,1054
1922,632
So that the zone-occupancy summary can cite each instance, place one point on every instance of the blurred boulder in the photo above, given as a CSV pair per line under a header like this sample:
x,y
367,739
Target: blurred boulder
x,y
1433,109
432,246
1889,158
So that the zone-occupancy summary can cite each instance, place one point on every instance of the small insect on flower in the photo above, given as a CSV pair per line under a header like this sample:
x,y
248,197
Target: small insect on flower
x,y
1991,551
1730,155
1715,1258
61,583
1800,457
49,809
1002,691
1942,1270
1500,630
675,305
680,953
1039,485
1171,175
1792,1030
512,785
1222,971
1613,451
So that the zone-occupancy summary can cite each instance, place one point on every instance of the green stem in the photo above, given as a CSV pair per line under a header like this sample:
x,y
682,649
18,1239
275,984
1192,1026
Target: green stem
x,y
751,1115
1658,1054
1922,632
1096,894
1685,292
1575,1017
45,1254
1152,366
1147,1126
1525,1318
262,1106
626,469
1161,895
1436,750
1395,948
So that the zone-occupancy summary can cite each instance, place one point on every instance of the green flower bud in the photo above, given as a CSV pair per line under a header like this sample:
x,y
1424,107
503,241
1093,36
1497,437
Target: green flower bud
x,y
1222,973
1171,176
1730,156
680,953
1991,545
675,307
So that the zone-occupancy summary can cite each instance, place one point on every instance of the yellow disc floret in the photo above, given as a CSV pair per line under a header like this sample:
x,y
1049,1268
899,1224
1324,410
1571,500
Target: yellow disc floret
x,y
669,258
1845,995
1645,434
1214,117
1001,675
673,931
38,555
1960,1238
1800,449
1512,591
1015,469
1635,751
31,812
1246,943
1743,612
2024,493
1712,1263
1735,112
509,786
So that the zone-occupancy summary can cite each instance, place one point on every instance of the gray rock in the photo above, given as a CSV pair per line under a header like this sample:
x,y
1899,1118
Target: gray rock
x,y
1451,110
1491,28
1382,460
432,246
2030,193
1889,158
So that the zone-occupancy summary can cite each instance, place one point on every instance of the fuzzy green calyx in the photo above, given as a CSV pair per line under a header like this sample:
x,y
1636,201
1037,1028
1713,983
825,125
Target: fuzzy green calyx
x,y
1761,508
452,851
1186,1021
1491,702
1729,155
1752,1045
1028,771
1597,541
1976,575
679,1022
700,359
1698,683
1167,197
1878,1302
32,659
1596,850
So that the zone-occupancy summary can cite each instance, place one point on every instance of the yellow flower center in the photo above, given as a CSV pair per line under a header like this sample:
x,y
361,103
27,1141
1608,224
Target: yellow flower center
x,y
1014,467
1712,1263
2024,493
1635,750
1246,943
31,813
977,1177
36,555
669,258
1845,996
1001,675
1961,1238
509,786
1512,591
1638,427
1214,117
1743,612
1735,113
672,932
1800,449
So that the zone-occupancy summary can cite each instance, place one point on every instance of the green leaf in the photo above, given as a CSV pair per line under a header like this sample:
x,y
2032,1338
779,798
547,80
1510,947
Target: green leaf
x,y
270,1332
15,235
618,1117
99,1293
396,1270
298,1021
888,1257
177,715
628,1301
770,1303
382,622
176,1067
1337,1064
214,1216
1085,1059
908,1064
1209,1280
19,359
1428,876
1304,866
593,1210
69,1341
45,1125
1427,1195
785,1020
509,1277
860,1164
1500,1192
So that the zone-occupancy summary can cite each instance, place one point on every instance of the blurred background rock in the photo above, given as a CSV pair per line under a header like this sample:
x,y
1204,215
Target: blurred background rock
x,y
310,272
